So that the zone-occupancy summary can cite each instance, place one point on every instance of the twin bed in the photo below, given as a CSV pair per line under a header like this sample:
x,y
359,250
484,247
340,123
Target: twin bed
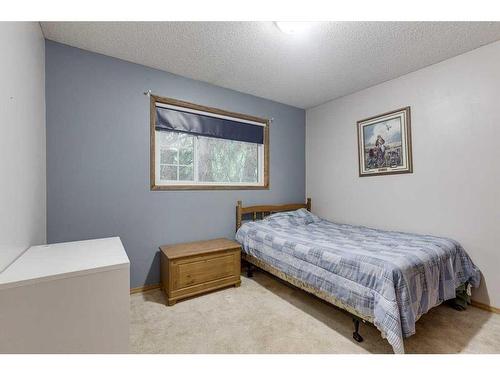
x,y
386,278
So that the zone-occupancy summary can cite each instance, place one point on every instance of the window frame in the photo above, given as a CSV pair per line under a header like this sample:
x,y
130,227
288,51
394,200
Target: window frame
x,y
205,186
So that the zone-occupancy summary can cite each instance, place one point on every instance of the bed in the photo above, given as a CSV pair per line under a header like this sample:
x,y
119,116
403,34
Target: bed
x,y
389,279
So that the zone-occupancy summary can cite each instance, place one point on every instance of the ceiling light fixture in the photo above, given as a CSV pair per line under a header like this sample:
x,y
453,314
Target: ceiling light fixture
x,y
289,27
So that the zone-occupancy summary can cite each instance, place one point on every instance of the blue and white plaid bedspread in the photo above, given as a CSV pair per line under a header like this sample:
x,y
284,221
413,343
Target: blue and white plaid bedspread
x,y
392,277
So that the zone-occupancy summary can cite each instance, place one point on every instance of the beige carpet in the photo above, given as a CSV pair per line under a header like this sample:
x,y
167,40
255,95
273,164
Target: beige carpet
x,y
266,316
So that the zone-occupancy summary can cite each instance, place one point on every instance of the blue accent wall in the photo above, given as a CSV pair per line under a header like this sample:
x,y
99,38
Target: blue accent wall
x,y
98,158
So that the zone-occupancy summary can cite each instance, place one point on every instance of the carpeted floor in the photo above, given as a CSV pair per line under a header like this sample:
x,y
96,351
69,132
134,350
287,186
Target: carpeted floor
x,y
266,316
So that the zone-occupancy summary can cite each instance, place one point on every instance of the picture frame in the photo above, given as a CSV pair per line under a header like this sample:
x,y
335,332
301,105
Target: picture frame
x,y
384,144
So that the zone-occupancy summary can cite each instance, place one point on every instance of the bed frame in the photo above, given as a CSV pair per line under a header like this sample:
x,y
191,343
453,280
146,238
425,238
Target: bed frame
x,y
260,212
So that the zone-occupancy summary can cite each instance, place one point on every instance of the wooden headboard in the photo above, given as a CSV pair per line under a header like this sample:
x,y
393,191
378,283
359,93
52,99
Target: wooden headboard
x,y
266,210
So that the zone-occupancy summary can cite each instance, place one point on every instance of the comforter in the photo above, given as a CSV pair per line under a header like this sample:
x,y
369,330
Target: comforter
x,y
392,277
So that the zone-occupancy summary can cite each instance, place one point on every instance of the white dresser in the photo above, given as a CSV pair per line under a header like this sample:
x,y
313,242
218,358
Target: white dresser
x,y
70,297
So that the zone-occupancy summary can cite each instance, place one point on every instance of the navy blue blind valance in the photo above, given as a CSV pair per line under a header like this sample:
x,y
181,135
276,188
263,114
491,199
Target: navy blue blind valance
x,y
168,119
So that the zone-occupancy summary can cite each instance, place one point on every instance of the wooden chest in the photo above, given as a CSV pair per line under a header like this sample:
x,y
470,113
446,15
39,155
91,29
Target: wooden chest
x,y
193,268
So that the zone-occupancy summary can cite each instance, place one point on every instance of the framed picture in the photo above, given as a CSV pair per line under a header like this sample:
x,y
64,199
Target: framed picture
x,y
384,144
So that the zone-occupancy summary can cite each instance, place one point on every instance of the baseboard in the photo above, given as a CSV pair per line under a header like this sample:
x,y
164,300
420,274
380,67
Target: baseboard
x,y
479,305
486,307
144,288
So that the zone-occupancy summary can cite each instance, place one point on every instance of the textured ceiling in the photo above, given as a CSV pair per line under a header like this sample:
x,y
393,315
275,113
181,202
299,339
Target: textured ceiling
x,y
328,60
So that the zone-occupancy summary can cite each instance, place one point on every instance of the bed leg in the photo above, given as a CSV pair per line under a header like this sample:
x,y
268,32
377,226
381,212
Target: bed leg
x,y
249,269
355,335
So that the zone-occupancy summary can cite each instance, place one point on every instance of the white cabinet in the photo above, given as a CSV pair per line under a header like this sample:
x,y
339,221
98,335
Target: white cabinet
x,y
67,298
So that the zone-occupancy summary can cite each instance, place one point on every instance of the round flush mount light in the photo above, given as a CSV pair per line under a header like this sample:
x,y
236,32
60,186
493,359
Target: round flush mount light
x,y
292,27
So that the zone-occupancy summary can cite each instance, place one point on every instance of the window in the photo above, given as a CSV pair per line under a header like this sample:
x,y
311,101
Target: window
x,y
176,156
196,147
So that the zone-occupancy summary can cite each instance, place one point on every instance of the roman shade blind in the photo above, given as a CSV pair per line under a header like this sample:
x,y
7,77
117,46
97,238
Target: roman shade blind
x,y
179,119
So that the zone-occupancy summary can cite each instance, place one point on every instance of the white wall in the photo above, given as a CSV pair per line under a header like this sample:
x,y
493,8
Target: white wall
x,y
22,139
455,188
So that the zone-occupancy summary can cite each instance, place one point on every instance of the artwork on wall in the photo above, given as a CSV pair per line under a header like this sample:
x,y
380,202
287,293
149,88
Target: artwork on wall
x,y
384,144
